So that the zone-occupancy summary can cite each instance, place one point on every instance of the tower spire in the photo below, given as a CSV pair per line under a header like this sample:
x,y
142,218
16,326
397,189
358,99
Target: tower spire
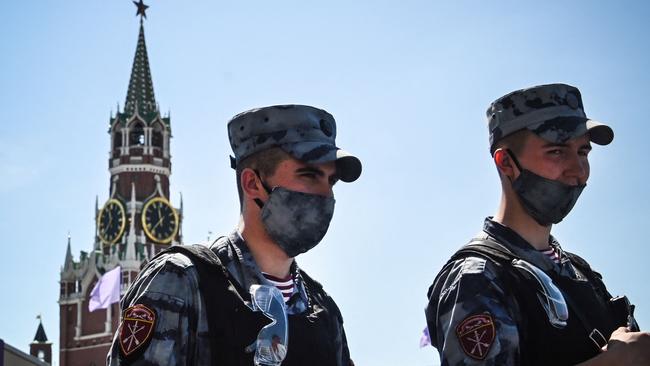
x,y
140,91
68,257
40,336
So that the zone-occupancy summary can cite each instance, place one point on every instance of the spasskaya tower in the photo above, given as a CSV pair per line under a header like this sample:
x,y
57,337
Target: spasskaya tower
x,y
136,220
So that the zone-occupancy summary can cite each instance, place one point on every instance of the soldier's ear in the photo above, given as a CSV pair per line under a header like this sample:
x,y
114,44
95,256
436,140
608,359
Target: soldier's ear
x,y
504,163
251,184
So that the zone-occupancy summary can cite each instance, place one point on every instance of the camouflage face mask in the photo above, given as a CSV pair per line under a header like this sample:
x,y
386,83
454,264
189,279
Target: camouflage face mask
x,y
546,200
296,221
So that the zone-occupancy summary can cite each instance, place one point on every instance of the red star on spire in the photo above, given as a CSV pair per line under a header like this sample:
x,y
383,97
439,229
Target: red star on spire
x,y
142,8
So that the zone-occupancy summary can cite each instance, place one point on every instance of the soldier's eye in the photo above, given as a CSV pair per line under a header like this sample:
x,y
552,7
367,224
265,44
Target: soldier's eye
x,y
308,175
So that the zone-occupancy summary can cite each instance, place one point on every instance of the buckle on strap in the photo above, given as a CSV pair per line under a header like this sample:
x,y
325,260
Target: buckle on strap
x,y
597,337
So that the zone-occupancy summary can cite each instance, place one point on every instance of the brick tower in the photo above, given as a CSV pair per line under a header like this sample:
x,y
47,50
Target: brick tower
x,y
136,221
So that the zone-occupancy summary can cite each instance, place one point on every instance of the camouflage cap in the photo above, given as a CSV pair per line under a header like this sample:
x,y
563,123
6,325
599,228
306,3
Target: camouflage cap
x,y
306,133
554,112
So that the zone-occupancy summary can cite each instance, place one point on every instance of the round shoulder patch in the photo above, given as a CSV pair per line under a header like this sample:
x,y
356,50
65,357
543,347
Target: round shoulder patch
x,y
136,328
476,334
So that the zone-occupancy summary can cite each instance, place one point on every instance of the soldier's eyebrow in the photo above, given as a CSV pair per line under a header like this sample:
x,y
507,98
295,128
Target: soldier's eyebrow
x,y
586,146
311,170
554,144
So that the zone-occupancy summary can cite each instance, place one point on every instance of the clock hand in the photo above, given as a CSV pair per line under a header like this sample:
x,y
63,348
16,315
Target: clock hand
x,y
158,223
160,216
110,219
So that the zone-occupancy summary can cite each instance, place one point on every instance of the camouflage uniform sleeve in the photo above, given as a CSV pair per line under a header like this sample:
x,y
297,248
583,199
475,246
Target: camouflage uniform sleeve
x,y
168,288
471,319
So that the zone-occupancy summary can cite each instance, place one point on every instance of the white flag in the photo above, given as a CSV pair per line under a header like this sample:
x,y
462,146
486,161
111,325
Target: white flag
x,y
106,290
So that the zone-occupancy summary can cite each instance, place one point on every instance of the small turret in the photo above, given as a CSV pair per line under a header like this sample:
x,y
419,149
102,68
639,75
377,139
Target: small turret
x,y
40,347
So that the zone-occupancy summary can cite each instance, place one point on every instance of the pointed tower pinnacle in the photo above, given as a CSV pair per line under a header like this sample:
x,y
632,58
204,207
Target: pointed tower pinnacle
x,y
40,336
68,257
140,92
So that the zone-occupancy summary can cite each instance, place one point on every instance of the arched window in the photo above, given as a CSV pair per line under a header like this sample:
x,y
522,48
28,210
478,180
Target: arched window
x,y
41,355
157,137
117,139
136,137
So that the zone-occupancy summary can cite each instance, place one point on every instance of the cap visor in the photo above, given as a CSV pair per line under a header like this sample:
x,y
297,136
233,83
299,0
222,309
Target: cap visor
x,y
348,166
599,133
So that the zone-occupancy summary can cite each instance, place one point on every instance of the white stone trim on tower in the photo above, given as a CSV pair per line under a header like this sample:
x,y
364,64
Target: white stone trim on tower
x,y
166,154
77,328
149,168
114,186
129,255
158,186
124,149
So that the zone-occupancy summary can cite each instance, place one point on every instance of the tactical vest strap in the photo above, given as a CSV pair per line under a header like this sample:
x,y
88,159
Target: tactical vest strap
x,y
485,248
207,265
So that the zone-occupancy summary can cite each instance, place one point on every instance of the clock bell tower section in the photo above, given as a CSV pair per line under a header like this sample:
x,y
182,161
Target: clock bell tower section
x,y
140,167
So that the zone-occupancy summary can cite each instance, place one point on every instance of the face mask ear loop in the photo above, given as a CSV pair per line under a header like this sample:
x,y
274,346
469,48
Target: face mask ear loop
x,y
514,159
258,201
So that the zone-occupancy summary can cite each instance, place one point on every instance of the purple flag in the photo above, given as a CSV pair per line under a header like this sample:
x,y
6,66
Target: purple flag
x,y
106,290
425,340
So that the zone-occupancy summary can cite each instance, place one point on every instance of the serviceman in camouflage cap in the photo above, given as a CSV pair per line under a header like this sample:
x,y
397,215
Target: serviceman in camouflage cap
x,y
192,305
513,296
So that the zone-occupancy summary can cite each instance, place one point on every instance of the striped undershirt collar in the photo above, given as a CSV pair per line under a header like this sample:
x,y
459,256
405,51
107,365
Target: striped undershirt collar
x,y
285,285
552,254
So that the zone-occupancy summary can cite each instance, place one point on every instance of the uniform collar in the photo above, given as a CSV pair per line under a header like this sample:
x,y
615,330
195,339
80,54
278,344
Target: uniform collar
x,y
244,269
523,249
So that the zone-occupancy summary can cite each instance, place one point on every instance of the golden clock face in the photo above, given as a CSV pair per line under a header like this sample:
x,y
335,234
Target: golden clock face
x,y
111,222
160,220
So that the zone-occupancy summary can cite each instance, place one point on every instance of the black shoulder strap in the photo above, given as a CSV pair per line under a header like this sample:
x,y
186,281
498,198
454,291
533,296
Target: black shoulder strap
x,y
200,255
485,248
208,265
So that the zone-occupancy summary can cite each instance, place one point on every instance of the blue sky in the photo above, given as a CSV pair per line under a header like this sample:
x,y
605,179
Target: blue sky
x,y
408,83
